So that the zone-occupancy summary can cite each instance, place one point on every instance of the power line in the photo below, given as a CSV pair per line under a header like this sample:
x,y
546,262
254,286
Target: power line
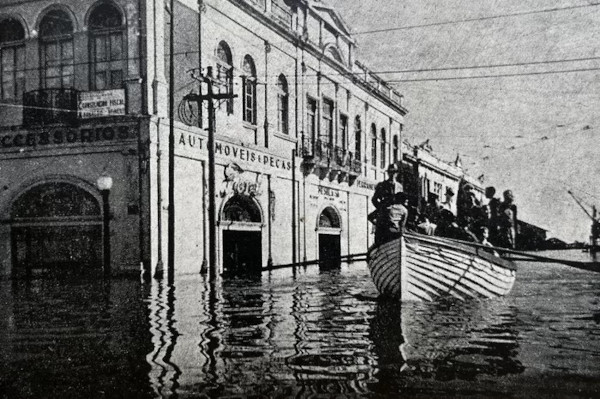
x,y
516,14
493,76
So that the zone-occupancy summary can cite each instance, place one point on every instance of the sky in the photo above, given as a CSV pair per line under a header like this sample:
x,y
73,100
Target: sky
x,y
534,129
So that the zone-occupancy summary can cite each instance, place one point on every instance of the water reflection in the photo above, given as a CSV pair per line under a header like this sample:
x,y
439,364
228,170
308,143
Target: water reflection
x,y
66,338
164,374
304,333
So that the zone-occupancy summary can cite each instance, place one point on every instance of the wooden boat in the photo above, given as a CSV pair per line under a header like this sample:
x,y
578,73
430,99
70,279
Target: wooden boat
x,y
416,267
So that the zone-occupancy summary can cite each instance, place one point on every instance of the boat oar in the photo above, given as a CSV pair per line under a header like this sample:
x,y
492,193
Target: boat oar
x,y
590,266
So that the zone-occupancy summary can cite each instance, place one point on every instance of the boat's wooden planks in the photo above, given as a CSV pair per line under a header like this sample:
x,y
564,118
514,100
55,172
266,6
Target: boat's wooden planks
x,y
443,256
468,281
433,268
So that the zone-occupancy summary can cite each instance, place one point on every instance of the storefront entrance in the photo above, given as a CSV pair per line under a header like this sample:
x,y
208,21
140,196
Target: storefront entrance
x,y
329,239
56,227
241,237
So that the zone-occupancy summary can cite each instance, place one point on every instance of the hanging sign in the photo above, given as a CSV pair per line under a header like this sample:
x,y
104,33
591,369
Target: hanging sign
x,y
98,104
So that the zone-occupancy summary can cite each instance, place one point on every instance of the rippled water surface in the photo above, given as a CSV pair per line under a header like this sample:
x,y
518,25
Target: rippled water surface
x,y
312,333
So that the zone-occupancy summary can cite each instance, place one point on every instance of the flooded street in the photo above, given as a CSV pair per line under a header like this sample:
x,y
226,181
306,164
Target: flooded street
x,y
308,333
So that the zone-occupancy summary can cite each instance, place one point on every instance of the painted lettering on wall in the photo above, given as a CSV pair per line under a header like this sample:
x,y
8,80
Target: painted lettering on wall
x,y
364,184
232,151
330,192
59,136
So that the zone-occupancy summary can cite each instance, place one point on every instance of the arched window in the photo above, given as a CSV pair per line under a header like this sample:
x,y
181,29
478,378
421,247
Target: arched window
x,y
12,60
373,145
56,50
383,145
329,218
249,95
396,149
357,139
225,73
107,50
283,106
241,208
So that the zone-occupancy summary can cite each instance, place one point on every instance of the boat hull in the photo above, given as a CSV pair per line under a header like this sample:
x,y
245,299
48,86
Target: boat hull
x,y
423,268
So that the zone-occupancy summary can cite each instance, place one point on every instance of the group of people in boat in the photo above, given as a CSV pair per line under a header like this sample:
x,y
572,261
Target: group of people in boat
x,y
493,223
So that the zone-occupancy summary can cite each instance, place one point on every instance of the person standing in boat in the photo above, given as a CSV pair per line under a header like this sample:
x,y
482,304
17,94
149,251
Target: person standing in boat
x,y
383,198
507,221
397,214
493,206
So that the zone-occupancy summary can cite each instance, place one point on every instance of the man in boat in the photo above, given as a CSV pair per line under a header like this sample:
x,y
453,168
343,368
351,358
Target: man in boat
x,y
383,198
447,204
397,214
493,206
507,221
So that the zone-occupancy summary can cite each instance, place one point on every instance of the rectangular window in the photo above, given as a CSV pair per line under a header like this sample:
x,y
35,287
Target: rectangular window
x,y
374,150
107,60
382,163
12,72
327,133
57,63
311,118
343,132
283,112
249,99
225,79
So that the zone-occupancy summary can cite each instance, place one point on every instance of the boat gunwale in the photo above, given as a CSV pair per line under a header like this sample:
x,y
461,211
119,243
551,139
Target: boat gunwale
x,y
466,247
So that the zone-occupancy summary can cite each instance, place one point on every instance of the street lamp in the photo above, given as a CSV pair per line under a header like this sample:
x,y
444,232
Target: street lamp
x,y
104,184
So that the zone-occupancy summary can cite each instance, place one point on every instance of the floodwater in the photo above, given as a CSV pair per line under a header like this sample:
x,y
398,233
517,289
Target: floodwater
x,y
306,334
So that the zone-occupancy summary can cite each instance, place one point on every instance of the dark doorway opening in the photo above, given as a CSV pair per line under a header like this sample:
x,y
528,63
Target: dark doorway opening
x,y
56,249
56,227
242,252
329,251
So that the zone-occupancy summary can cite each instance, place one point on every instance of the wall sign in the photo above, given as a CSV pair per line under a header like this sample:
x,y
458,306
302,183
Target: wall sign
x,y
60,136
234,151
98,104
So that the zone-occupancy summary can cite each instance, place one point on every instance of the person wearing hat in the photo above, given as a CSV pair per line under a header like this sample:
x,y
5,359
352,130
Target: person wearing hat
x,y
448,202
382,199
507,221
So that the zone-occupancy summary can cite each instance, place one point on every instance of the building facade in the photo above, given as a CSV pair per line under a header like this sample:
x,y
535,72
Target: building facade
x,y
86,91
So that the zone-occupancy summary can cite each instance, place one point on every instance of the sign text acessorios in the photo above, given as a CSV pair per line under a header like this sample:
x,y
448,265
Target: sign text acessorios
x,y
60,136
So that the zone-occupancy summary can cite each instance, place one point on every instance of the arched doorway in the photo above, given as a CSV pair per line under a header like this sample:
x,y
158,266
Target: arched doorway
x,y
56,226
329,230
241,223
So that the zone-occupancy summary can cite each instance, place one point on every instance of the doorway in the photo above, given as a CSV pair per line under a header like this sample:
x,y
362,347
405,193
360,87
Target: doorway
x,y
242,252
329,231
241,237
56,227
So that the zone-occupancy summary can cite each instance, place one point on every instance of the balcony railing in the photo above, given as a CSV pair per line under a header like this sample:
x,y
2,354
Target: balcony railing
x,y
282,14
49,106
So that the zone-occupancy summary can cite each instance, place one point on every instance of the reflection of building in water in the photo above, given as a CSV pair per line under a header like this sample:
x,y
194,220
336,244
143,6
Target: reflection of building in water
x,y
85,92
164,374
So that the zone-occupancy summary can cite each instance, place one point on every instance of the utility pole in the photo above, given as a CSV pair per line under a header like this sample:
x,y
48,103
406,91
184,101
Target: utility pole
x,y
171,222
212,220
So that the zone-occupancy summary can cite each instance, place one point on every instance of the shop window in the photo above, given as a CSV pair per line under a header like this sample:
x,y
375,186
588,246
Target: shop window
x,y
283,106
12,60
373,145
249,95
56,50
225,73
108,55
